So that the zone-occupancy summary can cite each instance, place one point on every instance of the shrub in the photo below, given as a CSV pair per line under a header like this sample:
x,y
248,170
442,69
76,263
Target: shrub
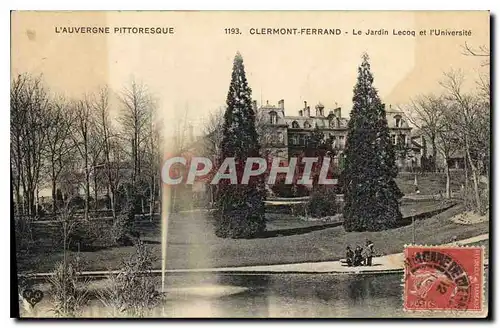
x,y
240,212
323,202
133,291
82,235
77,202
281,189
24,233
230,223
123,231
69,295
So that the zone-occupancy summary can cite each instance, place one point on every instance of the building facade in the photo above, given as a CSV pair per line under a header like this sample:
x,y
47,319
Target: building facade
x,y
286,136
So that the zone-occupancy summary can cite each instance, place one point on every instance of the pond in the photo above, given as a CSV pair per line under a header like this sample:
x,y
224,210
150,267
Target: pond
x,y
270,296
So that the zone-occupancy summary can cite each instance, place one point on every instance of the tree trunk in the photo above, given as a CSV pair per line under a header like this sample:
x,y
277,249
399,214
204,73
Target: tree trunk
x,y
152,192
87,191
95,191
31,202
434,153
112,198
37,202
142,206
474,178
18,201
466,175
54,197
25,193
159,198
447,168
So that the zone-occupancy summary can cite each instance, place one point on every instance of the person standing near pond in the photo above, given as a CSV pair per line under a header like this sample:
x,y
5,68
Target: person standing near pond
x,y
368,253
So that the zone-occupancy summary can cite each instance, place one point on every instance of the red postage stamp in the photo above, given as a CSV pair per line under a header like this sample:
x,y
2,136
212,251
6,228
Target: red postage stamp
x,y
443,278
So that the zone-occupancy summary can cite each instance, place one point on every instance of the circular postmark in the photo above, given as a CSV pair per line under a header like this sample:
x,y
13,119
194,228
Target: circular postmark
x,y
435,280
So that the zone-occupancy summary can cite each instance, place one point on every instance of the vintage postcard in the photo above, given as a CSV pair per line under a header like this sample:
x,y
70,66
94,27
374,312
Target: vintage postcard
x,y
250,164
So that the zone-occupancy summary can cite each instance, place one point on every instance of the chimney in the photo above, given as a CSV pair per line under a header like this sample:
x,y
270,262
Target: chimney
x,y
301,113
319,109
308,111
281,104
337,112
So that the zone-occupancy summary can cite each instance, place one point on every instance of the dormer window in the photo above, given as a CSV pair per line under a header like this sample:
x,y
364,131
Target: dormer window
x,y
341,141
398,122
273,117
295,125
307,125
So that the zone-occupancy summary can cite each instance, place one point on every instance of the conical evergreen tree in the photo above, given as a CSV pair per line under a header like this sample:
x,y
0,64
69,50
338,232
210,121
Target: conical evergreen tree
x,y
240,208
370,192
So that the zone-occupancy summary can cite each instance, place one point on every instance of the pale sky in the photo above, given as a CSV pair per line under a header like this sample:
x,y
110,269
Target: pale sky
x,y
191,69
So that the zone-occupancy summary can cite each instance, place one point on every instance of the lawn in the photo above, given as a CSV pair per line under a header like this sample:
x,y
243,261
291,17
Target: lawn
x,y
429,183
192,244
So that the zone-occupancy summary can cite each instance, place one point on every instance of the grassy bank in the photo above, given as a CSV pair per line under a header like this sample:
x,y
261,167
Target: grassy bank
x,y
192,244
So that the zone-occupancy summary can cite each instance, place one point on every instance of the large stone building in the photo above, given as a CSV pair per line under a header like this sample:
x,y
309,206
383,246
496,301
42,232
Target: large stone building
x,y
286,136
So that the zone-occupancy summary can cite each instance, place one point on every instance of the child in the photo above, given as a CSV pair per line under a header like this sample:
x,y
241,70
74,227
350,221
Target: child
x,y
349,256
358,258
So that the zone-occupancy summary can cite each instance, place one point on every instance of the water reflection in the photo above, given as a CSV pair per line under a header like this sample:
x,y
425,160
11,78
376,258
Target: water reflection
x,y
267,296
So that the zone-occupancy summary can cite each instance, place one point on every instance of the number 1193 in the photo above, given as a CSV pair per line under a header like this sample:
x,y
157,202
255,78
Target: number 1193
x,y
232,30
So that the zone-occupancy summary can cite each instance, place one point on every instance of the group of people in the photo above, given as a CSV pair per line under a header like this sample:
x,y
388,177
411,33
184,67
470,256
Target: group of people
x,y
360,255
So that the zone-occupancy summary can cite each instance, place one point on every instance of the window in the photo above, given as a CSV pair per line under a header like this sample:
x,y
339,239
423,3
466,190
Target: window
x,y
274,117
302,140
334,141
397,121
307,125
402,139
280,137
295,125
393,139
341,141
295,139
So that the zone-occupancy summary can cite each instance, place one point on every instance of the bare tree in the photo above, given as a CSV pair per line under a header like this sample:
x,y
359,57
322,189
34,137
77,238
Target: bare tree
x,y
448,140
18,104
472,120
481,51
112,153
60,148
212,131
135,115
153,163
82,138
212,139
95,158
182,143
29,105
426,113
